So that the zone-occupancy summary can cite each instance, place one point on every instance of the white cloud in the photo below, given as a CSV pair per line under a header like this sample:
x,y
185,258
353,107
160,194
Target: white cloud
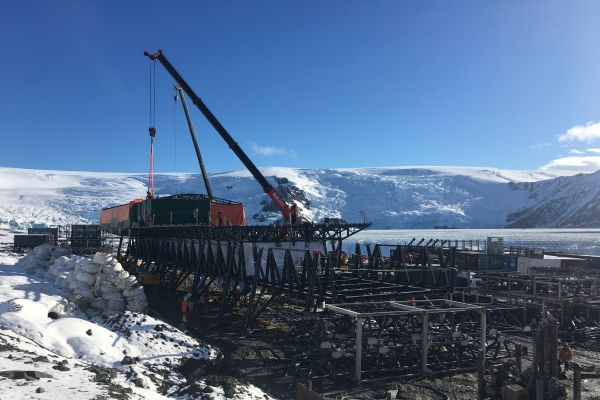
x,y
582,133
575,151
269,150
594,150
574,163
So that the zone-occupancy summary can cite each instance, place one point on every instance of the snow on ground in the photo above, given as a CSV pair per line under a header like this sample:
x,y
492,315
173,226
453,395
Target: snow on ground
x,y
127,355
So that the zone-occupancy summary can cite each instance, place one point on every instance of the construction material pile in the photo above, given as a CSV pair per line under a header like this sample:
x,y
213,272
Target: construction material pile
x,y
40,259
98,286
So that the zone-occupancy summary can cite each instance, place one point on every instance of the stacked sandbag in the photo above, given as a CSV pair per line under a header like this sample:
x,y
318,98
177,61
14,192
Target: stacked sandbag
x,y
110,297
99,285
58,252
40,258
118,290
134,294
61,268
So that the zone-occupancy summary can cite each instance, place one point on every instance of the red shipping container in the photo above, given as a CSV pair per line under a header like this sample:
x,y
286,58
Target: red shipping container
x,y
117,216
232,214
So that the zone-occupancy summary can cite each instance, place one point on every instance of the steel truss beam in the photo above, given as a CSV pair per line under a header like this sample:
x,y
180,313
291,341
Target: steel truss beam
x,y
253,233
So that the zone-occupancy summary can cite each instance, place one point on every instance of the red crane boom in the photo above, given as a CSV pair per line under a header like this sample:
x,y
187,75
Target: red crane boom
x,y
267,187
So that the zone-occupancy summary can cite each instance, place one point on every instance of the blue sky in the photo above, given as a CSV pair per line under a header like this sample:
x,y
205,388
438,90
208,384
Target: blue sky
x,y
509,84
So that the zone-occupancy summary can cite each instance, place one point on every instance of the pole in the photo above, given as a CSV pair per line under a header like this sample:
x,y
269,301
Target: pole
x,y
358,359
576,381
196,147
482,345
424,340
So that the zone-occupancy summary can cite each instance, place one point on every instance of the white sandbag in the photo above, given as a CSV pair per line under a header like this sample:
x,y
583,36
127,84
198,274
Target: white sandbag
x,y
105,283
112,296
141,300
122,275
62,282
71,276
115,305
121,283
71,263
100,258
85,293
111,260
112,268
58,253
76,285
108,288
43,252
130,281
61,261
111,278
82,260
59,267
133,291
98,303
83,276
79,300
91,268
136,306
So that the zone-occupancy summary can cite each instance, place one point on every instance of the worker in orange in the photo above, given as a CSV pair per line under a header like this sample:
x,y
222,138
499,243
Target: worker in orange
x,y
565,355
185,309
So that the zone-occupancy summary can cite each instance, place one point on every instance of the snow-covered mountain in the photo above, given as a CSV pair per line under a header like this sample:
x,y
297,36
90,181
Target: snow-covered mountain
x,y
572,201
392,197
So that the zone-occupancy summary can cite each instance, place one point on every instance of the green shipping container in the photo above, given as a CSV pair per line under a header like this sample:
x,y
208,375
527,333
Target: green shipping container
x,y
177,210
136,214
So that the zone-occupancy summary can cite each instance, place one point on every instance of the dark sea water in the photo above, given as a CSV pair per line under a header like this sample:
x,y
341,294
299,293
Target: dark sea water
x,y
576,241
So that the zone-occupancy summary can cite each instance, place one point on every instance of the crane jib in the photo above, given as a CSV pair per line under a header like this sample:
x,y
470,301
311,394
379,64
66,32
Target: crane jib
x,y
268,189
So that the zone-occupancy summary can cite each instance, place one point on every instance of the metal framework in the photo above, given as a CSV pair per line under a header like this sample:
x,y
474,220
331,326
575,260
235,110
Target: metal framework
x,y
253,233
386,317
376,340
421,253
573,301
263,263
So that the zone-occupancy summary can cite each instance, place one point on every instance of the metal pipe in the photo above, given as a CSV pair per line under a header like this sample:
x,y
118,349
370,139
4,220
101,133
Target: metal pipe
x,y
424,340
576,381
481,368
358,359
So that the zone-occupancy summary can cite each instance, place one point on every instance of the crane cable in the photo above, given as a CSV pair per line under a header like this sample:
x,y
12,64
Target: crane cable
x,y
151,128
175,98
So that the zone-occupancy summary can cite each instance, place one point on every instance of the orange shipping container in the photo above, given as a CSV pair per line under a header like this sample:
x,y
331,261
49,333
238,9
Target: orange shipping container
x,y
232,214
117,216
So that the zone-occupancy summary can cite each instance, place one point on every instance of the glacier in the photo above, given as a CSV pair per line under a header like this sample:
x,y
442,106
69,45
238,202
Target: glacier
x,y
388,197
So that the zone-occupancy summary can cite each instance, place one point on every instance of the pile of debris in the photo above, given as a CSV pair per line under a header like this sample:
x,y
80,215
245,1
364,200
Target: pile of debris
x,y
98,286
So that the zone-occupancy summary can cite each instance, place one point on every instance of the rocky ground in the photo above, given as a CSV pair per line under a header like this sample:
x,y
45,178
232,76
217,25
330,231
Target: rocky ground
x,y
50,349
